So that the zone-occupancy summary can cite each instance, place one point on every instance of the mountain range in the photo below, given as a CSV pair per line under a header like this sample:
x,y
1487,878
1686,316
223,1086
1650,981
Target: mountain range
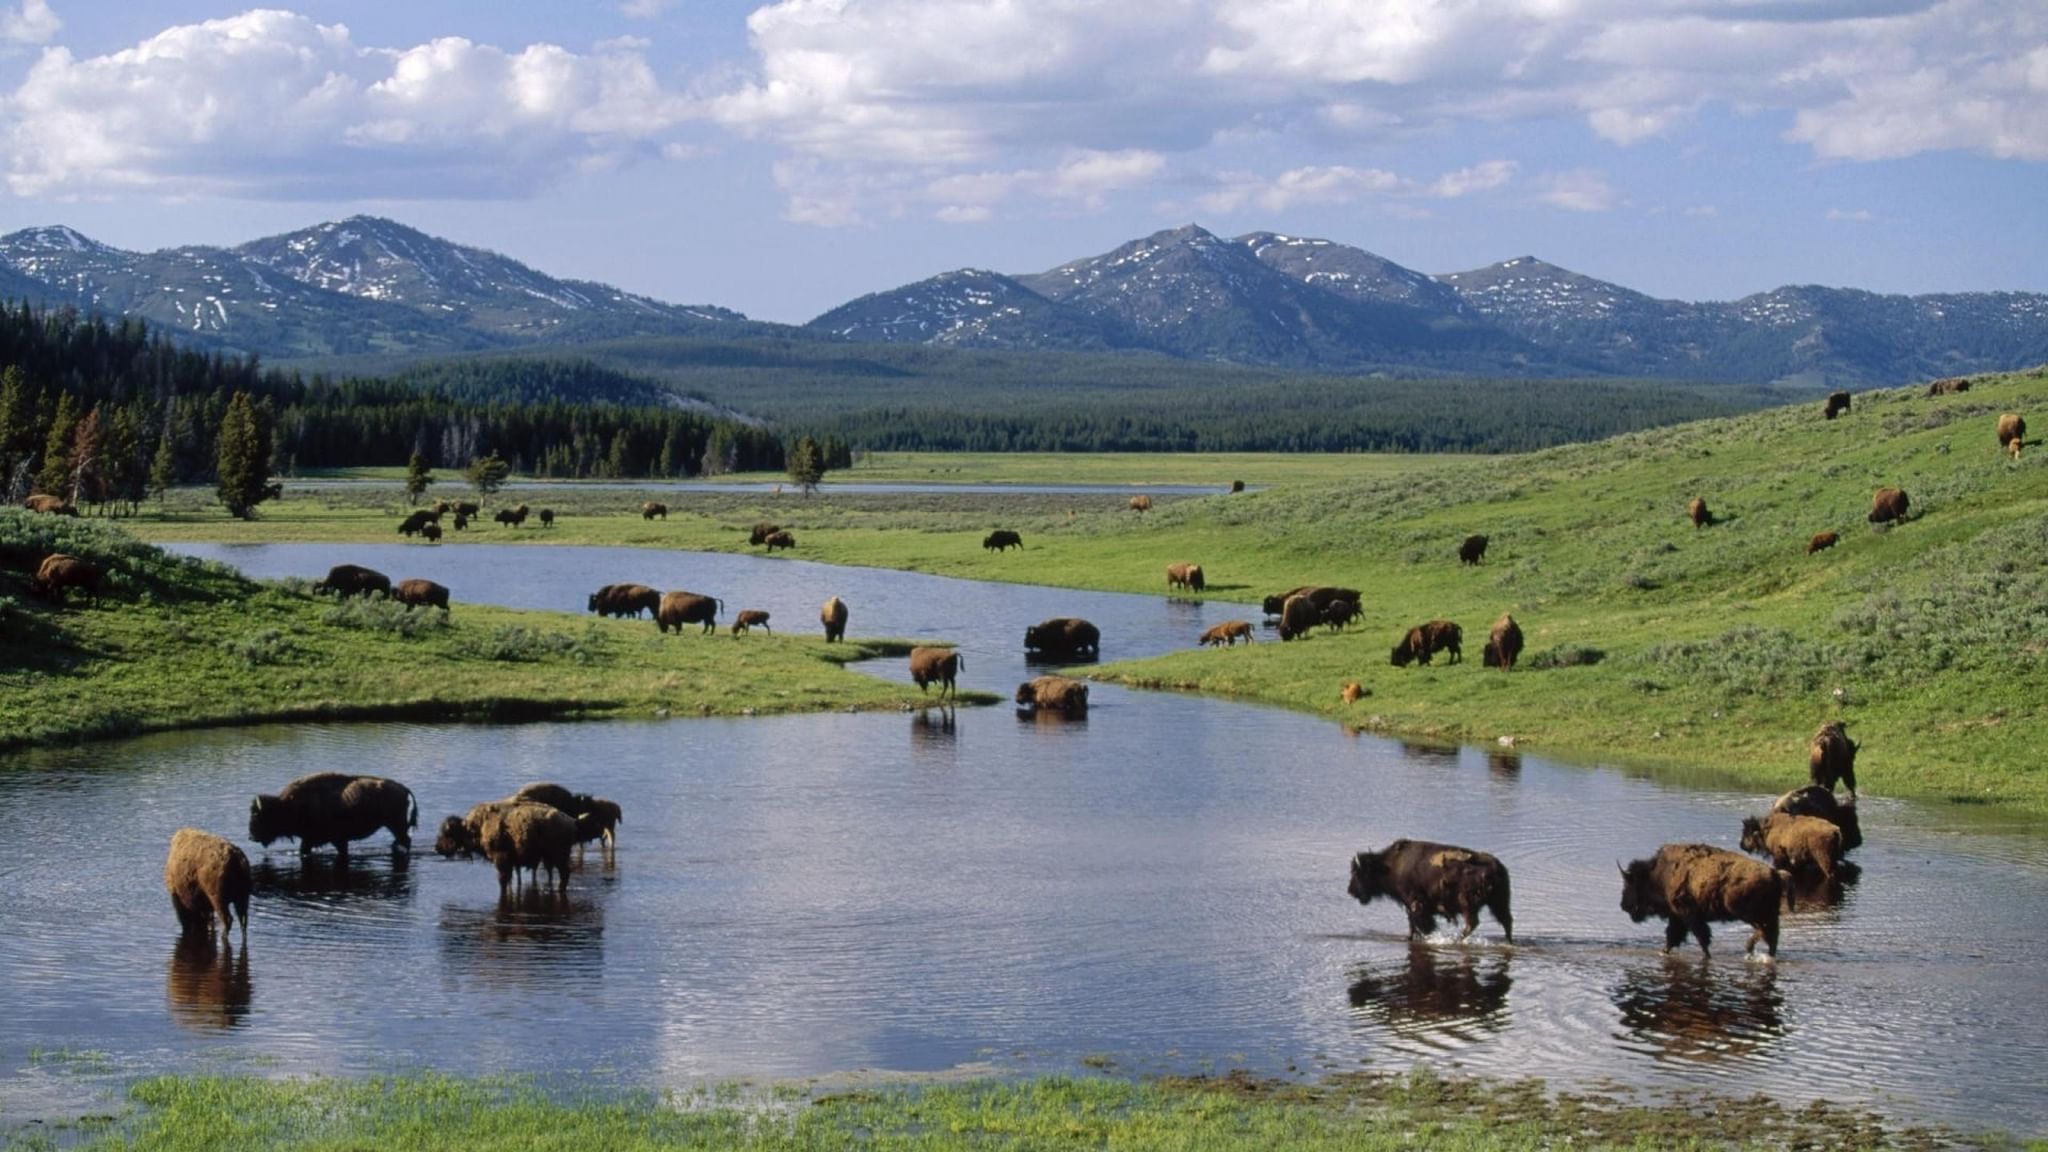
x,y
367,286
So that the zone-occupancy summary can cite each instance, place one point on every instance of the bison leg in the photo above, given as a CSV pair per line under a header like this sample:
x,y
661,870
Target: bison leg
x,y
1704,934
1849,778
1768,934
506,871
188,920
1471,924
1674,933
1499,907
1421,921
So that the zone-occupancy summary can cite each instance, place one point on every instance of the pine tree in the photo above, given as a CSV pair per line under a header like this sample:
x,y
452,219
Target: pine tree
x,y
807,464
85,462
418,477
243,458
54,477
126,471
17,433
487,474
163,467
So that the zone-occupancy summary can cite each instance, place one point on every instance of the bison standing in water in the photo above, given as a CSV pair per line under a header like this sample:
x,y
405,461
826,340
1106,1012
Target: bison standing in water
x,y
1063,638
1813,800
1473,550
1503,644
1692,885
207,877
1054,694
1888,505
1794,842
833,617
334,808
1832,757
939,666
1227,634
1431,880
513,834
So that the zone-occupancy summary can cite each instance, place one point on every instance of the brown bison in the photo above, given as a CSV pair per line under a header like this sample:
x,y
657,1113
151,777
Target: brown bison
x,y
1697,510
60,572
596,818
653,508
1339,613
1188,576
1297,616
833,617
1503,644
1811,800
461,522
1141,503
680,608
1319,595
1236,486
1888,505
1838,403
1063,637
1054,694
1473,550
939,666
53,505
1831,757
625,600
2012,429
750,619
1352,692
547,517
1692,885
207,877
334,808
1948,386
1227,634
1820,541
762,532
346,580
1794,843
421,594
1424,641
513,834
432,533
779,540
511,517
418,522
1431,880
2013,449
1002,539
467,508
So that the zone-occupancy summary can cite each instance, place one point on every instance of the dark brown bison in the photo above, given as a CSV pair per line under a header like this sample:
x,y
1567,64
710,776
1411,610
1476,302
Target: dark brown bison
x,y
2012,428
418,522
1838,403
1236,486
1831,757
833,617
1473,550
547,517
1227,634
432,532
680,608
779,540
52,505
1338,614
207,877
59,572
511,517
1188,576
334,808
1431,880
1812,800
625,600
346,580
1054,694
1063,638
462,522
1888,505
1319,595
750,619
762,532
1697,510
1820,542
1948,386
443,507
1002,539
513,834
1298,616
596,818
467,508
1503,644
1794,843
939,666
653,508
1692,885
1424,641
421,594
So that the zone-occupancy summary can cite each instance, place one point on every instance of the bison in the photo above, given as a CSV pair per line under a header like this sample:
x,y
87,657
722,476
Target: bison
x,y
1503,644
2012,428
749,619
1236,486
939,666
1812,800
1794,843
1297,616
1473,550
596,818
1697,510
833,617
467,508
1141,503
1002,539
462,522
1227,634
1831,757
680,608
513,834
1820,541
1054,694
1838,403
625,600
346,580
1319,595
653,508
1063,637
416,523
207,877
1424,641
1339,613
432,532
52,505
1352,692
334,808
1888,505
780,540
511,517
60,572
547,517
421,594
1431,880
1692,885
1188,576
762,532
1949,386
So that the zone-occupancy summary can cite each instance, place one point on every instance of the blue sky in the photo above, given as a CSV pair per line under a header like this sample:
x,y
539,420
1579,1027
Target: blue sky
x,y
783,157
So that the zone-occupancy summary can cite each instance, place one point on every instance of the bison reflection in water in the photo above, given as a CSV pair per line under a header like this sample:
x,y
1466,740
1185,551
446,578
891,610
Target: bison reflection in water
x,y
1700,1012
1505,765
1434,992
932,728
535,938
206,984
326,880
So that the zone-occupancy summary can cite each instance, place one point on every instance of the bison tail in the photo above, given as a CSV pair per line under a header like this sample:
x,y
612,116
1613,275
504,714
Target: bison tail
x,y
412,811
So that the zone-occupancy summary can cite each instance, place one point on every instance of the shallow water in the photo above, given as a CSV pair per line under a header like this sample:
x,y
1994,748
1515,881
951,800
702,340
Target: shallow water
x,y
1162,882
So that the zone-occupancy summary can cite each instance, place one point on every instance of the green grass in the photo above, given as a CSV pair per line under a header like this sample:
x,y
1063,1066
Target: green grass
x,y
177,643
429,1112
1217,469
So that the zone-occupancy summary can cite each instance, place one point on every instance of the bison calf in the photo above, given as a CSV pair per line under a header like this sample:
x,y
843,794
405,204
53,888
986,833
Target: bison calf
x,y
1431,880
1812,800
207,877
1794,842
1819,542
1692,885
749,619
1227,634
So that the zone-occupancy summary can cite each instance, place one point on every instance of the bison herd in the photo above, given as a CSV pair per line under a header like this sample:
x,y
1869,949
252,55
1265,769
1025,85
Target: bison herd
x,y
426,522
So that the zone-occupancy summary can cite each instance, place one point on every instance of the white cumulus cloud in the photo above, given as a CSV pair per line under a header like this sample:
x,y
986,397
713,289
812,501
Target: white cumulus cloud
x,y
32,22
1341,184
1578,190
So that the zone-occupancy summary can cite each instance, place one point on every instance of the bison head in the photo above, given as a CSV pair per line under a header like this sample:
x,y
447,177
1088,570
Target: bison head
x,y
1026,694
1368,877
1404,654
593,602
456,837
267,821
1031,637
1752,835
1273,605
1637,898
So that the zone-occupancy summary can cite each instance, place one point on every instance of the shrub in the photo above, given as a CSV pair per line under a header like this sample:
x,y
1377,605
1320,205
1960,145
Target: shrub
x,y
1565,656
519,643
381,615
259,649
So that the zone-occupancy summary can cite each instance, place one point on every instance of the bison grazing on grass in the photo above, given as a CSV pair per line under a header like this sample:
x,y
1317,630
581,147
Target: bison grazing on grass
x,y
1227,634
1141,503
1297,616
52,505
1054,694
1888,505
1697,510
1063,638
513,834
653,508
467,508
1431,880
1692,885
60,572
346,580
1473,550
780,540
207,877
1838,403
1949,386
334,808
1794,843
625,600
1820,542
1812,800
680,608
1187,576
421,594
2012,429
417,523
749,619
833,617
1001,540
762,532
939,666
1832,757
1319,595
1503,644
1424,641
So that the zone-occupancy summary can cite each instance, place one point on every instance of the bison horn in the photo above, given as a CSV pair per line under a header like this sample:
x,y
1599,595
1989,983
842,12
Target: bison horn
x,y
1621,868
